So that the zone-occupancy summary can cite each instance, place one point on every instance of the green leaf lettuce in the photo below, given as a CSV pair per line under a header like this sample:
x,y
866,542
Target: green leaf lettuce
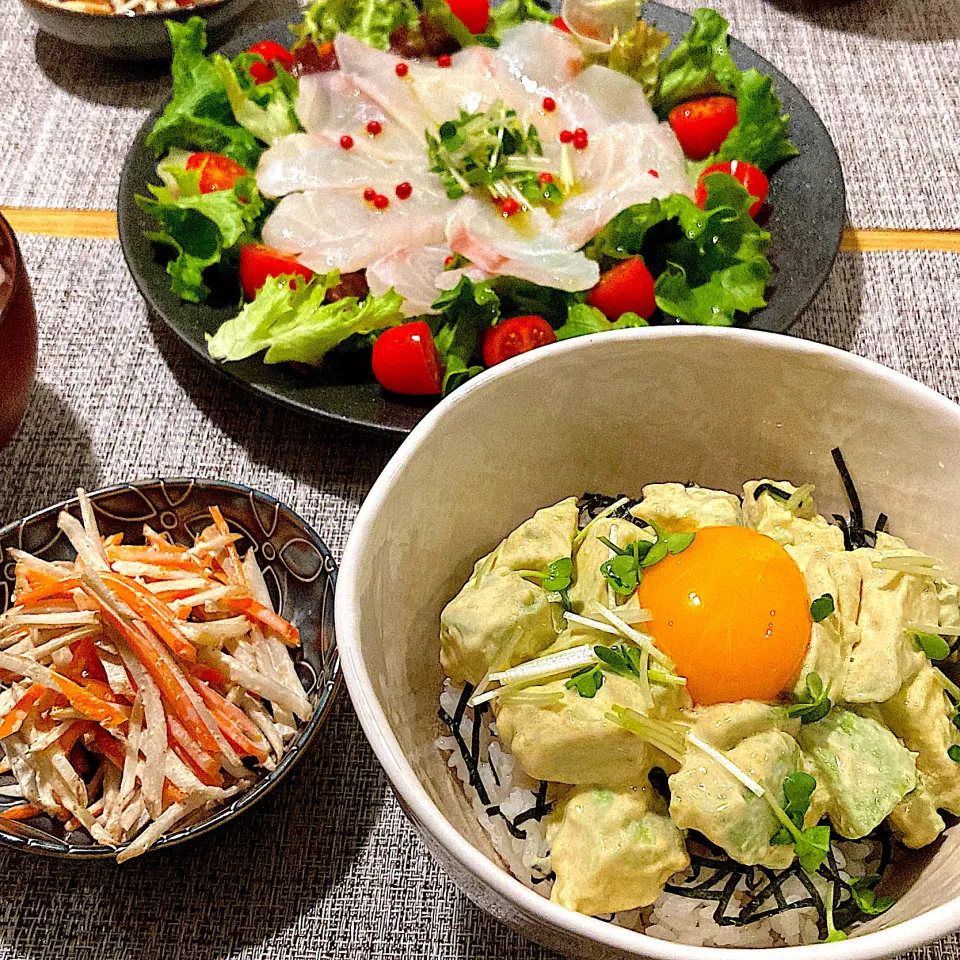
x,y
294,324
201,228
268,109
710,264
199,115
371,21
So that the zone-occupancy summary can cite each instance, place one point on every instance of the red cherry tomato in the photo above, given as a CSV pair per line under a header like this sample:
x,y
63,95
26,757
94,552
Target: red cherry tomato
x,y
259,263
405,360
473,14
625,288
515,336
217,172
560,24
702,125
273,53
753,179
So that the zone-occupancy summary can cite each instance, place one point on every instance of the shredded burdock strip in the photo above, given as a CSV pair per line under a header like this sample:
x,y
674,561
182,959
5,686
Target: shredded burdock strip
x,y
144,683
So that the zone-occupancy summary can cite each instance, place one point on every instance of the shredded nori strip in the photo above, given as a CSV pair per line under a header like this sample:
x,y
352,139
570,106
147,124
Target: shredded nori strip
x,y
591,504
772,490
854,533
537,812
550,876
471,758
717,877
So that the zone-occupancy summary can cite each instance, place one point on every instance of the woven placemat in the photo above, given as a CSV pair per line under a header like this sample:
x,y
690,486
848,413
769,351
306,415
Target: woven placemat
x,y
326,867
882,73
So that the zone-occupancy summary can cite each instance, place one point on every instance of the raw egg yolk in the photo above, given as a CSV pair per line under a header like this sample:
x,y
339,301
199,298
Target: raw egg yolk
x,y
733,613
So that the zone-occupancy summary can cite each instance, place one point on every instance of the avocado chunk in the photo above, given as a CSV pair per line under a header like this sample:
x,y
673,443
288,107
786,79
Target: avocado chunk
x,y
861,767
706,797
885,655
679,509
915,820
768,514
921,715
545,537
831,640
495,622
573,742
613,849
499,618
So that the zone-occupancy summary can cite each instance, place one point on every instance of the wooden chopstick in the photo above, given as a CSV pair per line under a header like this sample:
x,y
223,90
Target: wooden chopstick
x,y
102,224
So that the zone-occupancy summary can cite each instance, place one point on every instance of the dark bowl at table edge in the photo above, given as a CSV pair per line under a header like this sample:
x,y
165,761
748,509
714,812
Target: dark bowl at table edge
x,y
137,36
815,190
323,696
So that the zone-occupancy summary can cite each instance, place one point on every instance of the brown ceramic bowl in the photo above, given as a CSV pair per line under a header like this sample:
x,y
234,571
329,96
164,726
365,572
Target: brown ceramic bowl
x,y
135,36
18,335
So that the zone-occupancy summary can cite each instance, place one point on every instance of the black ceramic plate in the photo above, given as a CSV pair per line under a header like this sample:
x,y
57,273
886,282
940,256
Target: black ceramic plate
x,y
806,220
300,573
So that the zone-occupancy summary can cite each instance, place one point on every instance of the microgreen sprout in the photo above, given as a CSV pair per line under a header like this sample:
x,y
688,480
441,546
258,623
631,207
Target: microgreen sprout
x,y
932,644
642,640
813,844
556,579
833,934
623,571
822,607
586,682
491,150
814,703
862,890
954,753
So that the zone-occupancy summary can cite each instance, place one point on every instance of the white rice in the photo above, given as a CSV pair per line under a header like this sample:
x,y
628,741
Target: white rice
x,y
671,917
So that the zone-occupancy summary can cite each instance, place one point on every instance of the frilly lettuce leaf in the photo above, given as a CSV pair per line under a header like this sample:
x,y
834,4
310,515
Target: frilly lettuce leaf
x,y
268,109
199,115
371,21
512,13
699,65
293,324
637,54
201,228
583,319
710,264
761,136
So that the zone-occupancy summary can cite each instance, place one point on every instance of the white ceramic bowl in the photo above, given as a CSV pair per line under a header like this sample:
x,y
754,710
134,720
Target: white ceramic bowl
x,y
610,413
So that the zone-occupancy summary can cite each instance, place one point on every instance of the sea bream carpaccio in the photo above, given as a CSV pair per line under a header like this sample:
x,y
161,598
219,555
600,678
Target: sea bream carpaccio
x,y
367,125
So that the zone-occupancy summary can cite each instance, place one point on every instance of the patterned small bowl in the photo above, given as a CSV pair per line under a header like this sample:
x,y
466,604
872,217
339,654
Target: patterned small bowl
x,y
132,36
301,576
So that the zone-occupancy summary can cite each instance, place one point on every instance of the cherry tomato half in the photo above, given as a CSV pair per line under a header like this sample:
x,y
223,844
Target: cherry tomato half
x,y
560,24
625,288
217,172
515,336
259,263
272,52
473,14
405,360
702,125
753,180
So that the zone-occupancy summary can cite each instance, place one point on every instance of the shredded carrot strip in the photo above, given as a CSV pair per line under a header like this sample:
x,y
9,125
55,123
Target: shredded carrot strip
x,y
101,711
210,676
108,748
172,794
145,649
114,540
86,663
204,766
234,566
156,613
181,560
13,721
22,812
55,589
237,728
255,609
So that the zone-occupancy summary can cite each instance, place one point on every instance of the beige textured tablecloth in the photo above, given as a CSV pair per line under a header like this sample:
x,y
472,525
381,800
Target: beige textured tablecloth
x,y
326,866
